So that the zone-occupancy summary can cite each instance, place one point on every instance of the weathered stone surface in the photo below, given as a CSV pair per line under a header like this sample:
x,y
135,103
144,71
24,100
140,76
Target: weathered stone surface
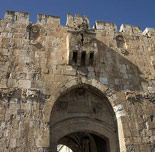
x,y
42,64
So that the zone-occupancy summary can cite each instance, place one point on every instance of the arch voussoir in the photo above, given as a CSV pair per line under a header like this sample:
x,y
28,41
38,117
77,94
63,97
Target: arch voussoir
x,y
74,83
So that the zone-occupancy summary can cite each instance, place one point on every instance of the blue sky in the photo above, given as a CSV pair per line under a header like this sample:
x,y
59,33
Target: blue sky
x,y
134,12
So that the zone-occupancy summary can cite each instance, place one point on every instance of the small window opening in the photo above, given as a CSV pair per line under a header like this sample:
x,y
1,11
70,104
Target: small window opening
x,y
30,34
82,39
91,58
83,58
75,54
152,118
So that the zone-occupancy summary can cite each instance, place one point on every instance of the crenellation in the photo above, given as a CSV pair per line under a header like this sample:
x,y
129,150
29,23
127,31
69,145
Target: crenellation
x,y
69,21
48,19
130,29
106,26
13,16
149,32
24,17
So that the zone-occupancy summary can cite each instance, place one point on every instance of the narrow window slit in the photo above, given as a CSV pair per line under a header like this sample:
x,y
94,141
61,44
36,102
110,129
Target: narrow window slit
x,y
83,58
75,55
82,39
16,18
30,34
152,118
91,58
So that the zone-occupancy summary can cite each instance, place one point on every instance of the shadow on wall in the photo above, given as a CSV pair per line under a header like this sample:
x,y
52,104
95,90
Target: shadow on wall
x,y
112,69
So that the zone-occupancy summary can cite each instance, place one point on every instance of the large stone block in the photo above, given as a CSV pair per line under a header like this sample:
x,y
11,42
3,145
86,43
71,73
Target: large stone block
x,y
98,81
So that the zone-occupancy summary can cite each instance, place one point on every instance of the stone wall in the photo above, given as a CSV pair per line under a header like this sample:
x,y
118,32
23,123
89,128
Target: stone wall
x,y
39,61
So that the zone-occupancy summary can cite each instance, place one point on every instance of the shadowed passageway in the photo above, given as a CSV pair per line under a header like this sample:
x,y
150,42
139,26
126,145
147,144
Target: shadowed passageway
x,y
85,142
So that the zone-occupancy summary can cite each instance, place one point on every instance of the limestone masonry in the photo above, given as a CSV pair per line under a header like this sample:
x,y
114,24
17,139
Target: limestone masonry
x,y
91,89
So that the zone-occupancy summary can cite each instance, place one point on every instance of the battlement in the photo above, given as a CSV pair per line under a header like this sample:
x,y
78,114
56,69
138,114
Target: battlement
x,y
130,29
99,25
24,17
76,20
48,19
149,32
13,16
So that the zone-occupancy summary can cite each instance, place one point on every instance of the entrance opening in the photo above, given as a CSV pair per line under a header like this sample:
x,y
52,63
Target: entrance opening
x,y
83,142
83,120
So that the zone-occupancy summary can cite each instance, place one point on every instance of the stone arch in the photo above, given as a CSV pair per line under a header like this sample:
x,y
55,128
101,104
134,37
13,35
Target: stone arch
x,y
113,97
71,141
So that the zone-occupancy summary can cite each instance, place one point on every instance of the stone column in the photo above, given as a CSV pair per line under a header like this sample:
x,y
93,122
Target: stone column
x,y
121,115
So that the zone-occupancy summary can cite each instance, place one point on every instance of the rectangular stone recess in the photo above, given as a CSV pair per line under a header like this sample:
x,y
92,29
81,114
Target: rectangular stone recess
x,y
75,56
91,58
83,58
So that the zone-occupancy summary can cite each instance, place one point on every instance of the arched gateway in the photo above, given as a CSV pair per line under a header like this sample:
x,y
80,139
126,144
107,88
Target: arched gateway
x,y
83,119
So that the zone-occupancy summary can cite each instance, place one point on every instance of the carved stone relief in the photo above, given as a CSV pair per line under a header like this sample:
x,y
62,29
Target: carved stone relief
x,y
33,31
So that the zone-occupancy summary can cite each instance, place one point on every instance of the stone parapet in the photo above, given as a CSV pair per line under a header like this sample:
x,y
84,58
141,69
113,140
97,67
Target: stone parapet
x,y
13,16
76,20
130,29
149,32
48,19
99,25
